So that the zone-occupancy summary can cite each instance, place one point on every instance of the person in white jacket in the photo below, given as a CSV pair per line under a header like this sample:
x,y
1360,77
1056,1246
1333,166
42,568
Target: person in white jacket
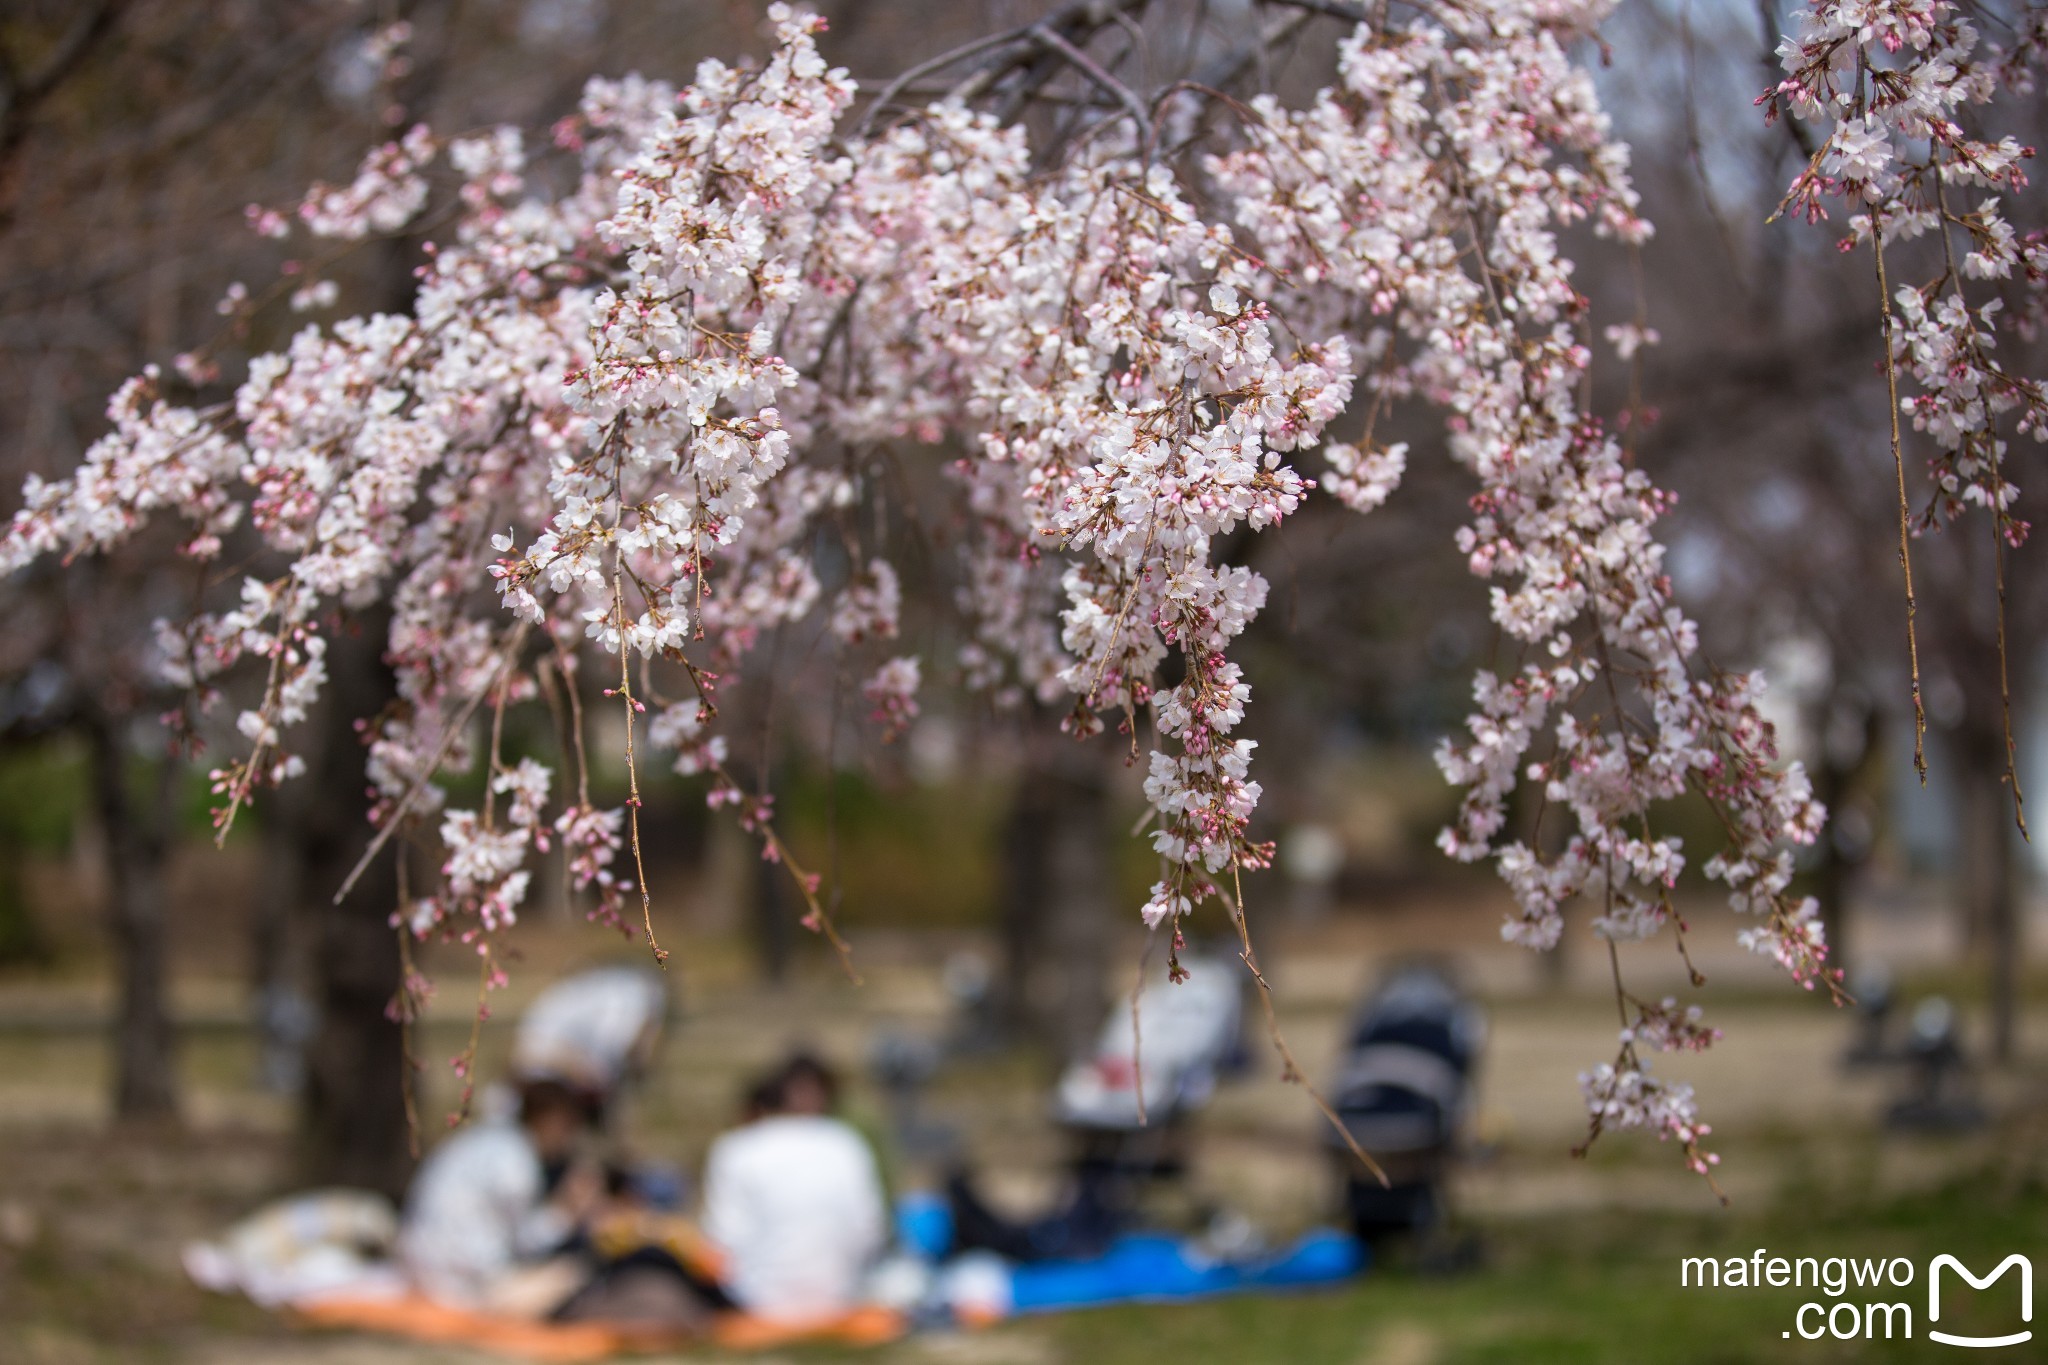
x,y
793,1201
480,1229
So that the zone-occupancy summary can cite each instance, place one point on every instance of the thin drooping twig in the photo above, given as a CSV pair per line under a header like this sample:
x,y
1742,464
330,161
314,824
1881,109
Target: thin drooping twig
x,y
938,63
1695,154
1767,16
408,1007
1334,9
465,1062
575,700
244,779
1614,964
1628,1056
1998,542
1891,383
2012,767
632,767
1290,1070
494,762
816,919
550,691
419,782
1088,67
756,820
1231,65
1137,1029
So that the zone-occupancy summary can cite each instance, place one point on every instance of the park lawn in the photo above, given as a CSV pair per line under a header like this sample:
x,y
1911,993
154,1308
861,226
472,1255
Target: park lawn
x,y
1588,1287
88,1268
1597,1288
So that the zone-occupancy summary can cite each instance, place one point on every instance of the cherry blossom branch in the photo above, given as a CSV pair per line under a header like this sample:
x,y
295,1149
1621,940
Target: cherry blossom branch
x,y
453,732
1110,85
633,710
1891,382
1290,1070
652,378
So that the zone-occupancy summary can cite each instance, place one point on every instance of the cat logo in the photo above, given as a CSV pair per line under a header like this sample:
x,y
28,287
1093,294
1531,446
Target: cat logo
x,y
2026,1268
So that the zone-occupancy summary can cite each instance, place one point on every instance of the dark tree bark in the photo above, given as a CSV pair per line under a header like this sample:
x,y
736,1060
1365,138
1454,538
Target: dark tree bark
x,y
277,957
145,1045
1056,909
772,920
1078,926
353,1128
1964,567
1026,894
21,938
280,891
2001,909
1989,847
1850,731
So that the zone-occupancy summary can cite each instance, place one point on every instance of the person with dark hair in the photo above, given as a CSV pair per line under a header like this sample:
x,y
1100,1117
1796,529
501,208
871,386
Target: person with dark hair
x,y
763,1097
793,1200
807,1085
481,1228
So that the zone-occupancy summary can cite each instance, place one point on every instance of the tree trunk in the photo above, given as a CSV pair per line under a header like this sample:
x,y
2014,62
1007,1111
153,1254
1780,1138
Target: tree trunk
x,y
1831,878
1078,926
774,925
276,956
145,1080
352,1122
1997,910
1056,901
1850,730
2003,922
21,938
353,1126
1026,894
1990,881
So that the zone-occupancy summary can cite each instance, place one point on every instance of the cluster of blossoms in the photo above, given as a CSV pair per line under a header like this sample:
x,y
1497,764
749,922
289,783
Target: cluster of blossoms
x,y
1145,407
1422,202
1897,82
1623,1093
1902,88
625,412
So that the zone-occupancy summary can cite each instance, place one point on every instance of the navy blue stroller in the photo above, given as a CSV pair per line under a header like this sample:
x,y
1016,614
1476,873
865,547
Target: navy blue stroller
x,y
1404,1092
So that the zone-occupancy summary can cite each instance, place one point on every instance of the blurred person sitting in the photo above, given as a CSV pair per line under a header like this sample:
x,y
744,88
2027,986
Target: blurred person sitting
x,y
597,1032
304,1247
793,1199
483,1229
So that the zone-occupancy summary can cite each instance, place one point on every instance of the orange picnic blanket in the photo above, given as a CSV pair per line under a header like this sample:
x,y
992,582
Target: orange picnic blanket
x,y
422,1319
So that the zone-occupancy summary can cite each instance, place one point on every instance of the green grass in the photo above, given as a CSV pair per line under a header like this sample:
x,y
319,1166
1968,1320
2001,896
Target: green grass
x,y
1589,1288
94,1281
1585,1290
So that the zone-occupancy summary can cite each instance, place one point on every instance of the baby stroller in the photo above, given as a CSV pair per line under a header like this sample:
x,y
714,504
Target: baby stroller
x,y
1403,1091
1127,1108
1128,1104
